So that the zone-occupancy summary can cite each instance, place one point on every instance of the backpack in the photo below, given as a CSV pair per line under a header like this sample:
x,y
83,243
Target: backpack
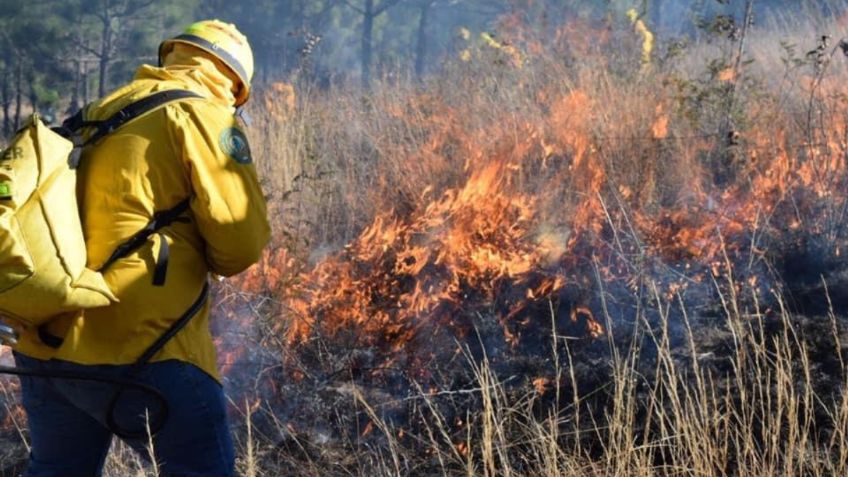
x,y
42,248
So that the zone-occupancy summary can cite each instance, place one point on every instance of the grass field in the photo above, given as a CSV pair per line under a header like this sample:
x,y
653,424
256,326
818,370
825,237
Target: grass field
x,y
549,259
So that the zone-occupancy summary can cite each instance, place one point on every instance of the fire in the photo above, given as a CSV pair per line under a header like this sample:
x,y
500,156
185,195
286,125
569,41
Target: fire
x,y
594,329
541,385
403,276
279,100
659,129
727,75
485,246
499,240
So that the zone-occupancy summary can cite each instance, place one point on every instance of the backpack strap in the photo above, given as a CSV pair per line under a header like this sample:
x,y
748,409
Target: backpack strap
x,y
104,127
160,220
134,110
74,123
71,127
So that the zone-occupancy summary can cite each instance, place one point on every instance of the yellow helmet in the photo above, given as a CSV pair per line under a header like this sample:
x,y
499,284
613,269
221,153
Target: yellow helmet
x,y
225,42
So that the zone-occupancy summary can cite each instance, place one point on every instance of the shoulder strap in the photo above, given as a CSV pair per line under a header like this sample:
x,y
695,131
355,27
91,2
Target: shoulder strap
x,y
160,220
125,115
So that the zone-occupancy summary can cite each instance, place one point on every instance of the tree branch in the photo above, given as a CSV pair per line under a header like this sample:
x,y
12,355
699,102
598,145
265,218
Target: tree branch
x,y
361,11
85,47
132,8
387,4
319,20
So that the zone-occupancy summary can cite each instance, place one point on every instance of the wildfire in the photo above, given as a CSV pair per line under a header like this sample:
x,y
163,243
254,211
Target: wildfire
x,y
401,277
537,216
521,222
494,245
481,247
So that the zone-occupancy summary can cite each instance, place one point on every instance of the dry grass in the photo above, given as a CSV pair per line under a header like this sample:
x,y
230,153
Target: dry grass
x,y
760,424
754,408
763,418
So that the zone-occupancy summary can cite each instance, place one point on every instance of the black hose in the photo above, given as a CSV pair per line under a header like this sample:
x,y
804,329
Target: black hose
x,y
156,421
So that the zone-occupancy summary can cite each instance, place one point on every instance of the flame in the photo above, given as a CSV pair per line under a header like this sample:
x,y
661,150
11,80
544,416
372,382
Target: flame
x,y
488,244
647,36
659,129
727,75
402,275
541,385
279,100
484,246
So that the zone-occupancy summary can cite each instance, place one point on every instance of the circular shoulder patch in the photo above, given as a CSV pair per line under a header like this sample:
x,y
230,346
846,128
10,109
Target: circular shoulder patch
x,y
234,144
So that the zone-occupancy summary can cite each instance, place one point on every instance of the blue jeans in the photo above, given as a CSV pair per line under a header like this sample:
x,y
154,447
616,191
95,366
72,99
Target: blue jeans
x,y
68,420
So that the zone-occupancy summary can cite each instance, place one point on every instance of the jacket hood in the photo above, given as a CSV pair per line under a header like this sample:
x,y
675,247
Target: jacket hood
x,y
184,68
197,70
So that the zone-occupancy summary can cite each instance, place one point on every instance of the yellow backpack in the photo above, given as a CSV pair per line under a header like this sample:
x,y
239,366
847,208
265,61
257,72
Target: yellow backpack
x,y
43,270
42,249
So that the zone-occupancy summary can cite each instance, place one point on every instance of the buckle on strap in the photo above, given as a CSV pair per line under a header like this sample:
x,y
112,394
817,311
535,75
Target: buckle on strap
x,y
161,270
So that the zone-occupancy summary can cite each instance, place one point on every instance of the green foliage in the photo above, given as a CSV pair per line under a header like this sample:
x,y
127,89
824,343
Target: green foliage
x,y
716,97
720,25
49,97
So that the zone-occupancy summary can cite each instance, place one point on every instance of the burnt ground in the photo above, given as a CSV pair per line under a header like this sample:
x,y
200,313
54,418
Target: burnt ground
x,y
327,422
12,455
319,391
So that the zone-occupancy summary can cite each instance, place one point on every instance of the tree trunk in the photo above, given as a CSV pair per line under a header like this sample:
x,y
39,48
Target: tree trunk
x,y
19,88
6,91
421,45
367,34
105,52
33,97
75,94
86,94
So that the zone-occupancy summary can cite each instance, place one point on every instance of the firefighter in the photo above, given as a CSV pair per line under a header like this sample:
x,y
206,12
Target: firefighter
x,y
193,148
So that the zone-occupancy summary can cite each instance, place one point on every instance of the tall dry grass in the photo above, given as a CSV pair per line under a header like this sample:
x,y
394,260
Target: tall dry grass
x,y
343,156
661,136
760,424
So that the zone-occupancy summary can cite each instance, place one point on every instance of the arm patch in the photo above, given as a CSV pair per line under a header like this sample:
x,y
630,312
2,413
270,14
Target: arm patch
x,y
234,144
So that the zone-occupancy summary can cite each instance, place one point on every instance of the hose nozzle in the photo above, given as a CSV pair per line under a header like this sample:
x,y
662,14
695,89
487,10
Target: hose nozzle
x,y
8,335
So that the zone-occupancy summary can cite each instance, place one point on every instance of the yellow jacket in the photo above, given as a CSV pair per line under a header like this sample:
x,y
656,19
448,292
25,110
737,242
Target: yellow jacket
x,y
149,165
